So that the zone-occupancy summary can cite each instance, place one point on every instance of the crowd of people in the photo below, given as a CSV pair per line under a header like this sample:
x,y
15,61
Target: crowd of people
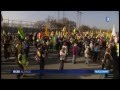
x,y
90,45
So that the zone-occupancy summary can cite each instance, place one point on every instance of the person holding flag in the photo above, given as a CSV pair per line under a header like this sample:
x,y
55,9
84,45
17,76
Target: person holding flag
x,y
21,33
22,62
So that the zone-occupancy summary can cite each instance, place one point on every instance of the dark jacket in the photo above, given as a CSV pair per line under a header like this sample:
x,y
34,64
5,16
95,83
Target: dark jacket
x,y
108,61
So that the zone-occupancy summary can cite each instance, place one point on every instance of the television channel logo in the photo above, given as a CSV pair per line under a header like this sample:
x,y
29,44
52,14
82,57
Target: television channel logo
x,y
101,71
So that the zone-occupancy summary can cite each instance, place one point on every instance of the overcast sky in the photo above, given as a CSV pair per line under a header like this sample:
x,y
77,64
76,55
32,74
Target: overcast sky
x,y
90,18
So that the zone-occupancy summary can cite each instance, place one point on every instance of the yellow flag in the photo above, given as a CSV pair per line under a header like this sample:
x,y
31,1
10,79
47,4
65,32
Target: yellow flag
x,y
47,31
38,53
56,33
74,30
107,34
91,34
64,29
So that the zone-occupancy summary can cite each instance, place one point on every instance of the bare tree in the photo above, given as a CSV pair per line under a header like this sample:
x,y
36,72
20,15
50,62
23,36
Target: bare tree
x,y
84,28
40,24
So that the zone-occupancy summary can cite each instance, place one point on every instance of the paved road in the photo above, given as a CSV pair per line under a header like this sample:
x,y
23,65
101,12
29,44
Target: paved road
x,y
51,63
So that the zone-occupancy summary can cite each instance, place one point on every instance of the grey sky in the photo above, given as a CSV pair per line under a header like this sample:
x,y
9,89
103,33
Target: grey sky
x,y
90,18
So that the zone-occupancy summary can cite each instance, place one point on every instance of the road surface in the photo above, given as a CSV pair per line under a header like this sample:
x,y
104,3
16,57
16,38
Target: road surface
x,y
52,62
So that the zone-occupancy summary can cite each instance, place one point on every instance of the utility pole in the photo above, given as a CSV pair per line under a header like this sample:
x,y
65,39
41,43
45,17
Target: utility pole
x,y
63,16
58,15
79,18
80,14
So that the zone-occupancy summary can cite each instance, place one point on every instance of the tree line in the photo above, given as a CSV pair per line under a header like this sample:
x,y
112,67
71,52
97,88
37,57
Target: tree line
x,y
52,24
